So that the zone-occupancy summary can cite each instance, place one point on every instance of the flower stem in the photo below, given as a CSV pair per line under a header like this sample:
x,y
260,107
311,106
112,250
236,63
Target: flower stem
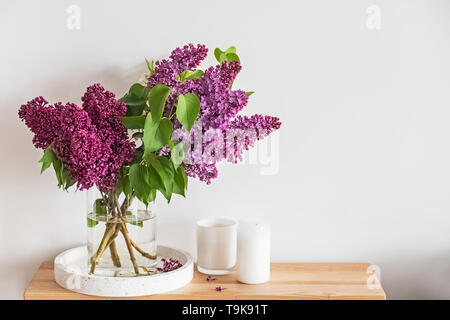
x,y
104,243
142,252
129,247
114,254
111,232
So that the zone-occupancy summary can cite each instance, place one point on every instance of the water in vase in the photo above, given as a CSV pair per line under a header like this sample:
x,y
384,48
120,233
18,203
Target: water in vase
x,y
116,260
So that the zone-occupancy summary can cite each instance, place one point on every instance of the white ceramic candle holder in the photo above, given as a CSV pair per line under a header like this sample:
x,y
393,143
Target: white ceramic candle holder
x,y
216,246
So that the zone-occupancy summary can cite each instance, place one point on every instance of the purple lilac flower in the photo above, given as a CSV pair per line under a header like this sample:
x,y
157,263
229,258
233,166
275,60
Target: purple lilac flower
x,y
209,278
264,125
166,71
202,171
169,265
84,155
219,106
42,119
188,58
104,111
247,131
91,141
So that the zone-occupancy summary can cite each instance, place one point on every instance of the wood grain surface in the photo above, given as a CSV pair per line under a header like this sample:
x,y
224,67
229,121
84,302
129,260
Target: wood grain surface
x,y
288,281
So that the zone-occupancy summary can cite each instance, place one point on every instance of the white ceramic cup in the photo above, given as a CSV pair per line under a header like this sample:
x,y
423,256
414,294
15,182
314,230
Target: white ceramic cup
x,y
216,246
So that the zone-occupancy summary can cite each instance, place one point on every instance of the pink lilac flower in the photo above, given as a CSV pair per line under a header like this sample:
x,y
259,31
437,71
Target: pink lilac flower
x,y
219,288
91,141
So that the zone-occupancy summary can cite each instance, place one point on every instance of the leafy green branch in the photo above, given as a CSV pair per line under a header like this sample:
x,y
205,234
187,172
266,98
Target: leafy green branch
x,y
150,172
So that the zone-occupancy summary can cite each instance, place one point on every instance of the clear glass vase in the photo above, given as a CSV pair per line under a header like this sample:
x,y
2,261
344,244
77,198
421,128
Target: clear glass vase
x,y
121,237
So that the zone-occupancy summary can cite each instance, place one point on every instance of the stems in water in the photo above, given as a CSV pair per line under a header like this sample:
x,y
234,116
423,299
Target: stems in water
x,y
112,231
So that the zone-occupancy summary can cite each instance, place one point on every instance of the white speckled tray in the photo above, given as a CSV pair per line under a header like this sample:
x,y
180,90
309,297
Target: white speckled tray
x,y
71,273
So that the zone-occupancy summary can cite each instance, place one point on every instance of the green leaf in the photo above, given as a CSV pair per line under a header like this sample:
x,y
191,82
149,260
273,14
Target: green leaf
x,y
57,165
124,98
223,57
91,223
137,135
133,122
135,104
231,49
137,182
99,207
180,182
137,156
227,55
124,184
47,159
138,179
188,108
217,54
232,57
154,179
66,180
150,66
135,99
156,133
176,153
167,175
138,90
249,93
149,137
152,194
63,177
157,99
164,131
187,75
135,110
137,223
165,170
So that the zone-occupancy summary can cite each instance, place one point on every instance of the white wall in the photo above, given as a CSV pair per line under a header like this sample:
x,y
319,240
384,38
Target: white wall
x,y
364,159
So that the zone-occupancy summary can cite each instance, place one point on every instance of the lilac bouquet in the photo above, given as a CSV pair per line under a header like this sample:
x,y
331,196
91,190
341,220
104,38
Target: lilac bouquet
x,y
179,124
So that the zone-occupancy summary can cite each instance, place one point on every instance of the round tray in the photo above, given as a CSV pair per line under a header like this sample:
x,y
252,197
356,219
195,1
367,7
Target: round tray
x,y
71,273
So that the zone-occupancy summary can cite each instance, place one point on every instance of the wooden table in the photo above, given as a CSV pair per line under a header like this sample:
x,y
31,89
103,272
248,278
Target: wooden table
x,y
288,281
